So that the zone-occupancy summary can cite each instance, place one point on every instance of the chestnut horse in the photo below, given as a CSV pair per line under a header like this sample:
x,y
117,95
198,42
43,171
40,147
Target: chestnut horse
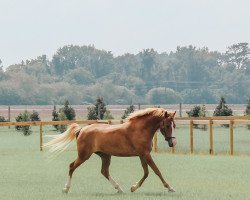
x,y
132,138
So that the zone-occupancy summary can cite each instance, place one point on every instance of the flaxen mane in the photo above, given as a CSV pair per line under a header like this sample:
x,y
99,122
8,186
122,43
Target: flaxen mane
x,y
158,112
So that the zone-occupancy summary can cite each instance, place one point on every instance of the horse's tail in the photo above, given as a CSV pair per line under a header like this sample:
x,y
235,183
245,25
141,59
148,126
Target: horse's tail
x,y
59,143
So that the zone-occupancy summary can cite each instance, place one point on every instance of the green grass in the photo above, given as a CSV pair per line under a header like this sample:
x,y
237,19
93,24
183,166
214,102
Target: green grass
x,y
27,173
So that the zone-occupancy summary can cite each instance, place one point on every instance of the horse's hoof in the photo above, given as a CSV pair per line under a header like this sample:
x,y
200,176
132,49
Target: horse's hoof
x,y
120,192
65,190
171,189
133,188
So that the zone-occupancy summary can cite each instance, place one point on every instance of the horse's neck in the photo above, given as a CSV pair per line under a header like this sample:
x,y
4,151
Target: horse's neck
x,y
151,124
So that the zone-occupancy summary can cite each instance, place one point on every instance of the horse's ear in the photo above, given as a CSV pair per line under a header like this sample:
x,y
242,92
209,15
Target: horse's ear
x,y
166,114
174,113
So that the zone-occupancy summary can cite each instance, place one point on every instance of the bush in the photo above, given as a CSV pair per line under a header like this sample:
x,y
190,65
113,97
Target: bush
x,y
223,110
247,112
92,113
68,111
194,112
62,127
98,110
129,110
34,116
198,111
2,119
24,117
108,115
55,117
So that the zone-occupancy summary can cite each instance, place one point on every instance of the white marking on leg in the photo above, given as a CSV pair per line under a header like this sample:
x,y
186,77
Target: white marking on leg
x,y
67,185
135,187
115,184
170,189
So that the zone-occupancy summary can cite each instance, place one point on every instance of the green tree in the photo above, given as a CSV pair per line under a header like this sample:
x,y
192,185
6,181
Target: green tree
x,y
148,62
34,116
98,110
62,117
198,111
222,109
24,117
68,111
2,119
163,95
92,113
108,115
55,117
129,110
238,55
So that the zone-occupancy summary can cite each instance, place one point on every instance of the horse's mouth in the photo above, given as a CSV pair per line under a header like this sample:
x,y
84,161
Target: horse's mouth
x,y
172,142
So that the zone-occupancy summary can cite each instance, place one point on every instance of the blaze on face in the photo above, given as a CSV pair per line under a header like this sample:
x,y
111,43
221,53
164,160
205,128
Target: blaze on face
x,y
167,127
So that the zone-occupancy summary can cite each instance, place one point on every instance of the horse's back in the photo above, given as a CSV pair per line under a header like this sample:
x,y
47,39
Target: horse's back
x,y
109,139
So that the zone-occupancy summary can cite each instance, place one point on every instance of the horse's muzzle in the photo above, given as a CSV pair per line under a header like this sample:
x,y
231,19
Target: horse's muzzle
x,y
171,141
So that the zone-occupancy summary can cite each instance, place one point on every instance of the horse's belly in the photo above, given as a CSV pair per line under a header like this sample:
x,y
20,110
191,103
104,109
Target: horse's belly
x,y
116,147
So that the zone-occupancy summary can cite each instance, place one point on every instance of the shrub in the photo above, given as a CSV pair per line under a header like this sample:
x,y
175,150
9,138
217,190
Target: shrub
x,y
129,110
2,119
247,112
55,117
62,127
68,111
98,110
108,115
194,112
223,110
34,116
198,111
24,117
92,113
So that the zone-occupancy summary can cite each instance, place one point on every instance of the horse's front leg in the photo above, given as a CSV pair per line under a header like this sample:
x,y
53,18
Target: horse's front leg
x,y
145,168
152,164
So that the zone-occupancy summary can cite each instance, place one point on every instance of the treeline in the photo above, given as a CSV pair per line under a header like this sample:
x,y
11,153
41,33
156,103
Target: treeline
x,y
81,73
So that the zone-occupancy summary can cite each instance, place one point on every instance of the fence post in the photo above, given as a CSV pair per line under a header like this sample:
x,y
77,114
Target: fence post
x,y
231,137
211,150
191,137
180,109
41,137
155,143
9,114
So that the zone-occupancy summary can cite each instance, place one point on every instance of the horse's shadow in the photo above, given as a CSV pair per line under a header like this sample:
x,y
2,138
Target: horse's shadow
x,y
150,194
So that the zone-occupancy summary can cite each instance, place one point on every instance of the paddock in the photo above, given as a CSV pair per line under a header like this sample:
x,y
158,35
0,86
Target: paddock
x,y
30,173
224,138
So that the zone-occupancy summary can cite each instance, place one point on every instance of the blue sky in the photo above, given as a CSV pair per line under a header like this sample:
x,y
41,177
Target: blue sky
x,y
30,28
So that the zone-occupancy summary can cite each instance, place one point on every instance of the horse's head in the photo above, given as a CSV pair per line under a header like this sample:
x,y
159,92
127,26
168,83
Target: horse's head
x,y
167,127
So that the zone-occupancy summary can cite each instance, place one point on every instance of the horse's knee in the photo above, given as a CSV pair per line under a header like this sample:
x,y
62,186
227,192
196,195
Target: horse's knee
x,y
105,173
146,174
71,165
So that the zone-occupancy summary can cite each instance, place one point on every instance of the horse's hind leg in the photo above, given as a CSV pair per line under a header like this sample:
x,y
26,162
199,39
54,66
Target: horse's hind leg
x,y
105,171
145,168
72,168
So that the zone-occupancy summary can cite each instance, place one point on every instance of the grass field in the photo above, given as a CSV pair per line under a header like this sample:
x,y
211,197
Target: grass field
x,y
27,173
221,140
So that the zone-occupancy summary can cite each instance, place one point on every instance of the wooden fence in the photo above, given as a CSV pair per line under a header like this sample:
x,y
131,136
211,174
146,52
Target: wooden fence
x,y
210,121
